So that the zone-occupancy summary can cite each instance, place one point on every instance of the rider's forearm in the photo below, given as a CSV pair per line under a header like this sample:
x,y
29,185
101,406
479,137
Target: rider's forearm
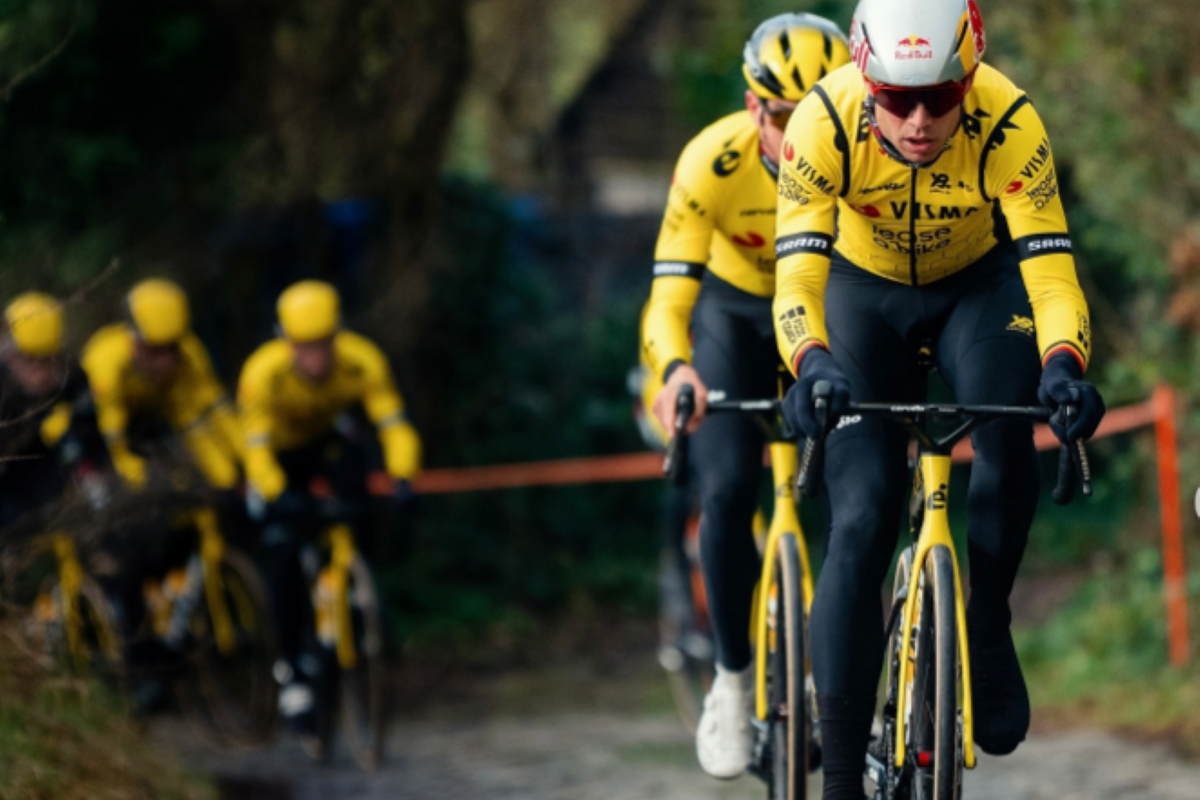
x,y
799,306
214,456
665,327
401,450
1060,312
264,474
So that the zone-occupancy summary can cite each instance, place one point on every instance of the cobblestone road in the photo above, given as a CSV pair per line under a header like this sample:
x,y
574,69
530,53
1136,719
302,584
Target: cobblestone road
x,y
574,756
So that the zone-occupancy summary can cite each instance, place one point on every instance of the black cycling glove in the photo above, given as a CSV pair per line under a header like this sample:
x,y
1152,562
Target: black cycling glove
x,y
815,365
1062,382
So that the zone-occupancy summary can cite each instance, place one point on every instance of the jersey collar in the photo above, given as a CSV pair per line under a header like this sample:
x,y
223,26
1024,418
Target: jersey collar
x,y
771,166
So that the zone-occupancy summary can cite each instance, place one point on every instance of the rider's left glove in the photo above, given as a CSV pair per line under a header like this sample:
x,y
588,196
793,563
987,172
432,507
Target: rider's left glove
x,y
816,365
1060,376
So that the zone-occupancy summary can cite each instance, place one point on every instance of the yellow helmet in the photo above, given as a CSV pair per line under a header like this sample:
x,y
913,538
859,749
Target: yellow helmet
x,y
309,311
787,54
35,323
158,312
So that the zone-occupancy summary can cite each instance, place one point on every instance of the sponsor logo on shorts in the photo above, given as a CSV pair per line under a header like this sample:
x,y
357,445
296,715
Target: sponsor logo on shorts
x,y
1021,325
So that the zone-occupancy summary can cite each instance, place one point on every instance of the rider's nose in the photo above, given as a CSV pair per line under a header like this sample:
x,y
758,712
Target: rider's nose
x,y
920,116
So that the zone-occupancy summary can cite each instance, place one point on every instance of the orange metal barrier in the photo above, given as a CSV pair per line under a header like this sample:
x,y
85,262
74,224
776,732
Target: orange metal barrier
x,y
1158,411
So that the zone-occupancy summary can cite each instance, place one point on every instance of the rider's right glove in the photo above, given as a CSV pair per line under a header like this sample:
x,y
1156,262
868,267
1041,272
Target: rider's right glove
x,y
815,365
1060,376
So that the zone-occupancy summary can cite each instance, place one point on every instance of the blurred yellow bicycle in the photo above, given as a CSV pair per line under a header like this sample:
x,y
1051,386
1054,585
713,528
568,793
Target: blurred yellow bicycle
x,y
349,632
71,622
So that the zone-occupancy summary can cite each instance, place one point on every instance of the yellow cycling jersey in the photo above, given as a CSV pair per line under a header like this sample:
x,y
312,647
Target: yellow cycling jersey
x,y
720,216
839,189
280,410
192,402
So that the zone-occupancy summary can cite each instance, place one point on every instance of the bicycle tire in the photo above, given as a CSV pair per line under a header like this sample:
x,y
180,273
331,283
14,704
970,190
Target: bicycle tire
x,y
685,650
934,733
361,687
882,750
232,697
789,721
103,655
107,659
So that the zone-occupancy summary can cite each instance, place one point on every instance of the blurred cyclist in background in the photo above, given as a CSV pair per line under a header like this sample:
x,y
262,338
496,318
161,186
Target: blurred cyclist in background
x,y
293,395
45,409
152,371
715,270
153,386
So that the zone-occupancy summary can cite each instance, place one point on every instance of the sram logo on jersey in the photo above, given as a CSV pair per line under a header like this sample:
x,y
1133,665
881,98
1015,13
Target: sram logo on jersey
x,y
678,269
817,243
1044,245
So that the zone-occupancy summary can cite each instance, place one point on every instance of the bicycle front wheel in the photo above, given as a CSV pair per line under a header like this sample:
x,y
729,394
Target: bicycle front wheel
x,y
86,641
228,688
788,716
934,734
363,707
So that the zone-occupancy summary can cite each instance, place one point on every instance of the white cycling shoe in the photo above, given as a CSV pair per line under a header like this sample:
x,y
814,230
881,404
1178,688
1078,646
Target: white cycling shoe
x,y
724,736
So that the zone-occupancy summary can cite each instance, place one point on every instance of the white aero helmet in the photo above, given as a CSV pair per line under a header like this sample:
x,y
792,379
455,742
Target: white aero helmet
x,y
913,43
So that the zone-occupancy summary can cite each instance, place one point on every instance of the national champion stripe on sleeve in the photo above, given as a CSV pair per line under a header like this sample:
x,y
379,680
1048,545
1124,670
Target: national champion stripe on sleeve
x,y
1044,244
678,269
817,243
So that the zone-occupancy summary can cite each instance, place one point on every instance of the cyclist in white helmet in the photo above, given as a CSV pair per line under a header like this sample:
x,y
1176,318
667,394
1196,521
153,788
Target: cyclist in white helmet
x,y
919,203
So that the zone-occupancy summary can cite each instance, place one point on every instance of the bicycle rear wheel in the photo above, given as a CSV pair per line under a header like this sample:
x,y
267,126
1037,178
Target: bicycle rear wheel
x,y
934,734
228,688
363,709
789,721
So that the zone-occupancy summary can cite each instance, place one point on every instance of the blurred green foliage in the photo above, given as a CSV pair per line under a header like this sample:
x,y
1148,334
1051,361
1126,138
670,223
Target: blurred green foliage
x,y
539,383
65,738
1104,655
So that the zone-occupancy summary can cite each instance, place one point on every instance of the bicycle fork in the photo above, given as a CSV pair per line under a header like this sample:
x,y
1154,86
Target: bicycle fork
x,y
935,531
784,521
70,582
332,597
212,548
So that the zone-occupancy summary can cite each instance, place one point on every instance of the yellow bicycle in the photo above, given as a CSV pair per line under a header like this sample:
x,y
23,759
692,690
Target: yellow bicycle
x,y
71,622
927,712
349,632
214,613
784,718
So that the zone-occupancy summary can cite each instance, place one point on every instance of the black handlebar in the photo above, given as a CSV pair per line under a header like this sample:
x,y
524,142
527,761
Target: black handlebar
x,y
1072,460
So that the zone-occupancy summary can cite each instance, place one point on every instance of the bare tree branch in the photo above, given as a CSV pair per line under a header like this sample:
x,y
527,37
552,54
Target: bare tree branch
x,y
23,75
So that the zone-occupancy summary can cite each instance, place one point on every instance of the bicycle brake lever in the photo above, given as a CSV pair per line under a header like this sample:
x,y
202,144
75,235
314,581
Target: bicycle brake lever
x,y
675,465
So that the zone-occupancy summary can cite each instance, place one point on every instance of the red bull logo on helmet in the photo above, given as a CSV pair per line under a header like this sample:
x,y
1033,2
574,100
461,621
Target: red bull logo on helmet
x,y
913,48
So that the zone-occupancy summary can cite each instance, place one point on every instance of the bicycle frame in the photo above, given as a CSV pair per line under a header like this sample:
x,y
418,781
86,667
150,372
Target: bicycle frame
x,y
785,519
212,548
935,530
70,582
342,552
